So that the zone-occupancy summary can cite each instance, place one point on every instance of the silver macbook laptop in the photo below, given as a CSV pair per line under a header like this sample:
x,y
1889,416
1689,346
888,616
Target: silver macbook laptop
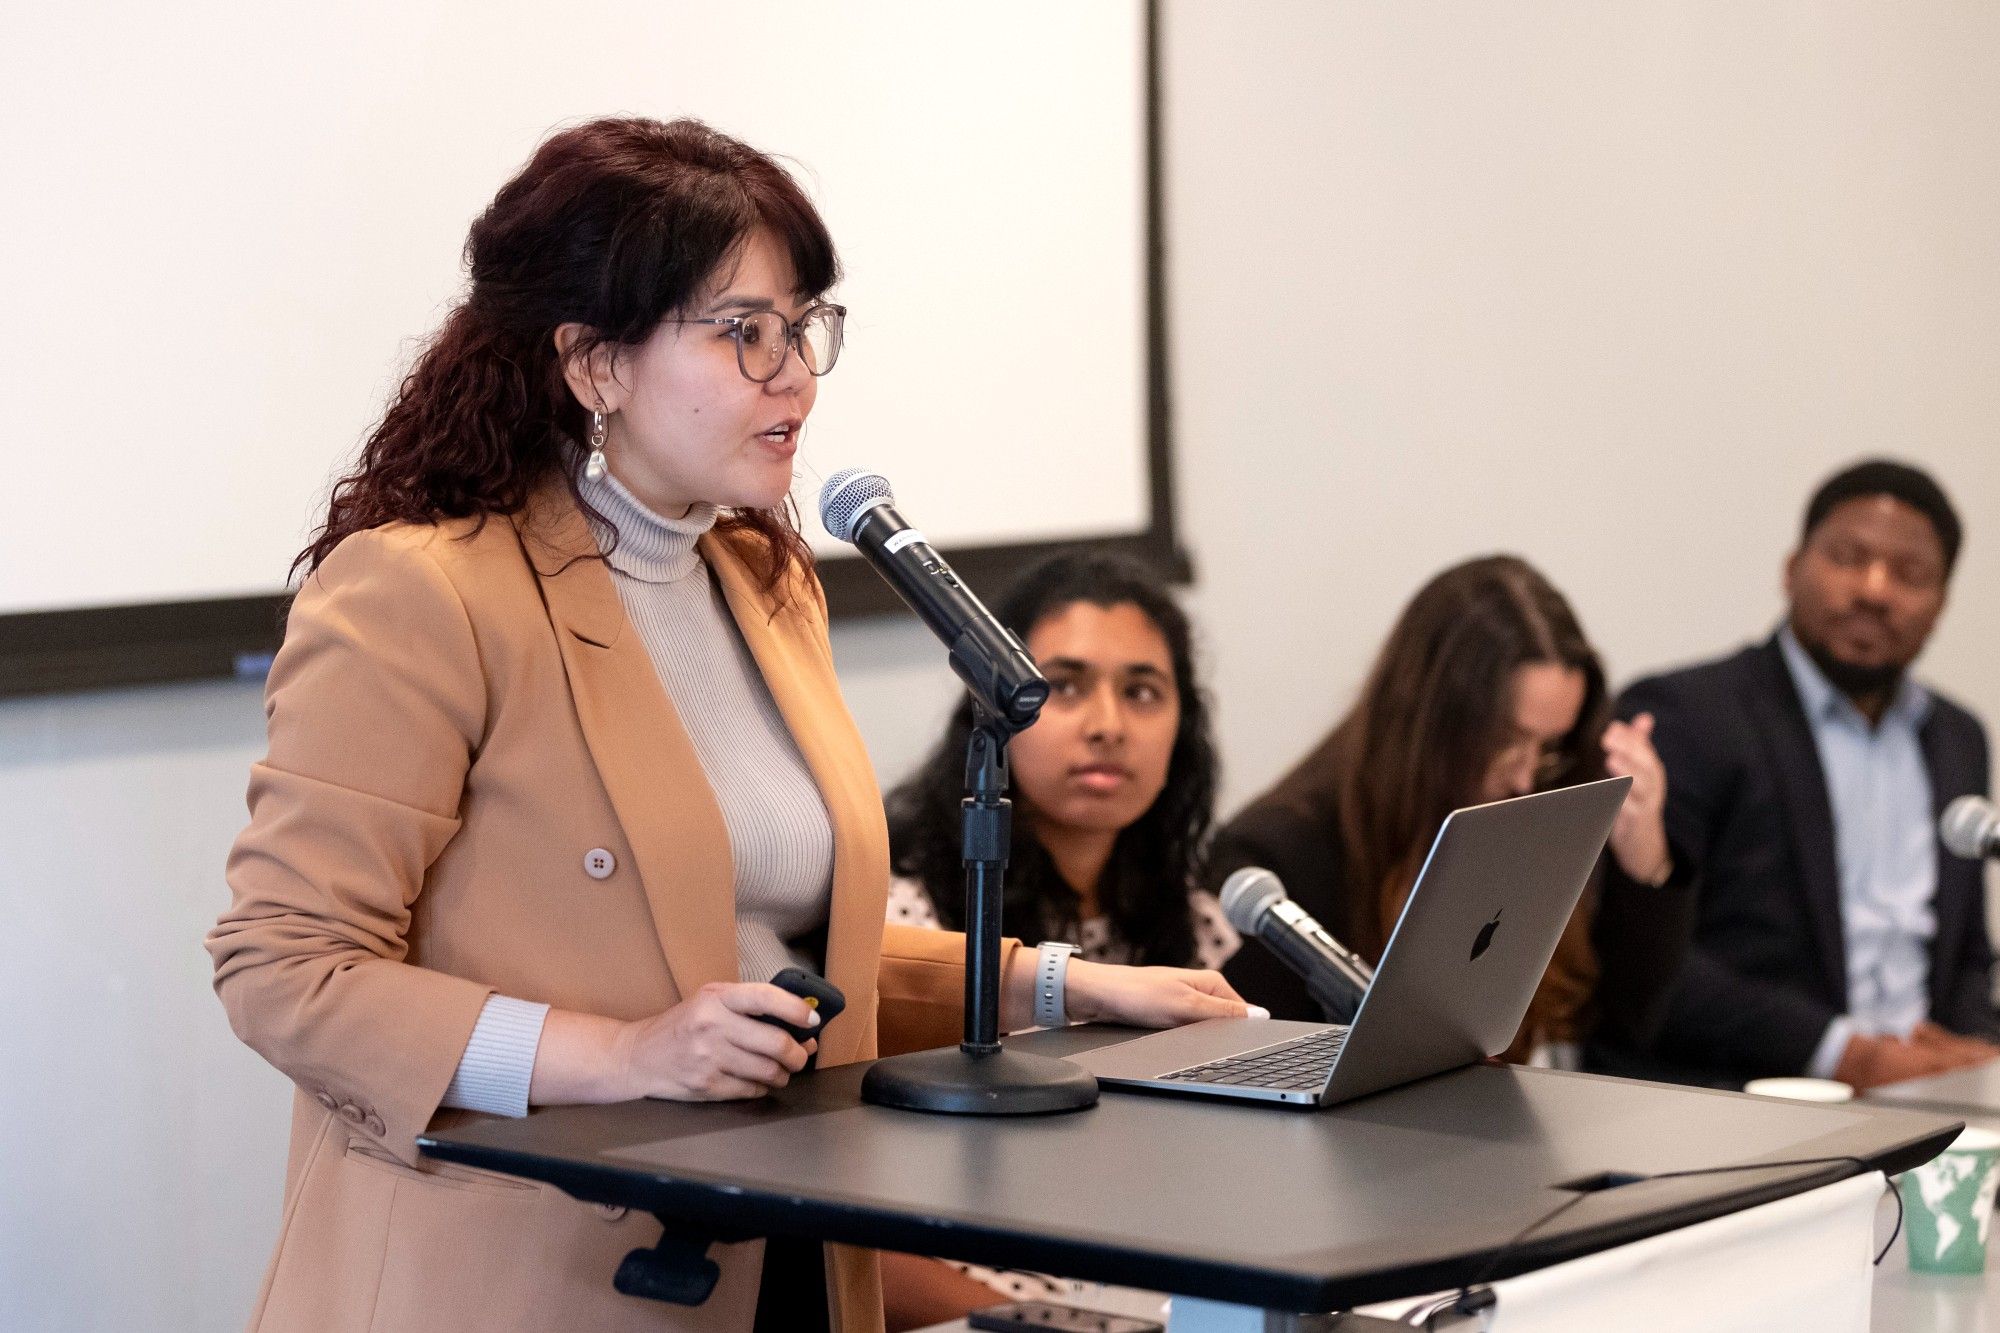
x,y
1474,939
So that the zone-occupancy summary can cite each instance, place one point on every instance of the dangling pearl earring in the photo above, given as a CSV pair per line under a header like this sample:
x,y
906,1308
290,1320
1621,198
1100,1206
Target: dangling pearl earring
x,y
593,467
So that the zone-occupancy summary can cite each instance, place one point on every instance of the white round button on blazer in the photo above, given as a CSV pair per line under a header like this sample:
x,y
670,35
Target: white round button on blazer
x,y
599,863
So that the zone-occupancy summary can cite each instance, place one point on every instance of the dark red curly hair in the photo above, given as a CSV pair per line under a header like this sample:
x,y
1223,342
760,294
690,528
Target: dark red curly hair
x,y
614,224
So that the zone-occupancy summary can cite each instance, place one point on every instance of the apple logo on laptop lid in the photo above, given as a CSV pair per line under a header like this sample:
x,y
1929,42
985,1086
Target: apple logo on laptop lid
x,y
1485,937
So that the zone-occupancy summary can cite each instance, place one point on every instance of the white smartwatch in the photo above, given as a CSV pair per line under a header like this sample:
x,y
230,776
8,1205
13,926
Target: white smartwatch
x,y
1051,968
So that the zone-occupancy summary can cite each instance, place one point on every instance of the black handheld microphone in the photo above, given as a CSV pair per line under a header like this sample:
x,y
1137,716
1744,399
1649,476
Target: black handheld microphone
x,y
1257,905
1970,827
857,506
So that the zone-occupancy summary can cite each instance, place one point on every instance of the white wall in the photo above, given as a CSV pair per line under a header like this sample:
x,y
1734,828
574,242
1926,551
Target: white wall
x,y
141,1148
1608,285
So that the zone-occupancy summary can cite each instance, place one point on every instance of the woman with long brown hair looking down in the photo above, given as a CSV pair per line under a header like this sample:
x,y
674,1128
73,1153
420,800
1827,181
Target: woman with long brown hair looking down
x,y
1485,689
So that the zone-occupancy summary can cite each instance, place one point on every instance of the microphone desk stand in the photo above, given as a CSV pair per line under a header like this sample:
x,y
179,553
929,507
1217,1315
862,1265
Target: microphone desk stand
x,y
979,1076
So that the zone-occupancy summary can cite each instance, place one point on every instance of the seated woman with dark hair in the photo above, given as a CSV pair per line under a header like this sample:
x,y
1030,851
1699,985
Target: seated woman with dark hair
x,y
1113,791
1486,689
1113,787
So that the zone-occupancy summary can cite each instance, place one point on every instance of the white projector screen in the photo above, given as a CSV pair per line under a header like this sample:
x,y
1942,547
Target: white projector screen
x,y
234,223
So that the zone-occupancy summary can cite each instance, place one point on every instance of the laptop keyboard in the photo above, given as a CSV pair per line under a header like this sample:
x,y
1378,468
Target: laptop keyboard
x,y
1299,1065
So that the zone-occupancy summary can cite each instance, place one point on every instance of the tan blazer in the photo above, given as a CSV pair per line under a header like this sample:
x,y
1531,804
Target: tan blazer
x,y
459,714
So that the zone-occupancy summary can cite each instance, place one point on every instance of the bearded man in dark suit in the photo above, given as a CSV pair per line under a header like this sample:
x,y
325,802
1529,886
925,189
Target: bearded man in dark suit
x,y
1836,937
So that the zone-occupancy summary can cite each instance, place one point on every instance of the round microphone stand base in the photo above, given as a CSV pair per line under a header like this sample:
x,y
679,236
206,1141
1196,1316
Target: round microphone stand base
x,y
956,1080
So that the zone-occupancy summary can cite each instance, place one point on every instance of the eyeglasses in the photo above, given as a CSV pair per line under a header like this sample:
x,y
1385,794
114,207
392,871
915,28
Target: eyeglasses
x,y
764,339
1549,758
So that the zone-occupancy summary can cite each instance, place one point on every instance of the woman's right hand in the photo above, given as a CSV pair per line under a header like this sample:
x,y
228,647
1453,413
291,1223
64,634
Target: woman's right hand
x,y
1639,836
712,1048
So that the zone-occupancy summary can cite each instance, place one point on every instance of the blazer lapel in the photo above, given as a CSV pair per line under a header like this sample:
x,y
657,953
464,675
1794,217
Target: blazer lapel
x,y
644,757
791,652
1808,811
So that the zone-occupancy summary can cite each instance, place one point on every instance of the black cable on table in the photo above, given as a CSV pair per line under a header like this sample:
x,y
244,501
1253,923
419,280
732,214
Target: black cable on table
x,y
1476,1295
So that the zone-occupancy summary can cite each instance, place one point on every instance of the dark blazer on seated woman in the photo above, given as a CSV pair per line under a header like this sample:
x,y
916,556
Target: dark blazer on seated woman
x,y
465,731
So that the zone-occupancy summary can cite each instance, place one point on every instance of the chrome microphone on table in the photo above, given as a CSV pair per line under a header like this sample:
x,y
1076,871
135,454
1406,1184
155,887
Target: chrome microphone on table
x,y
1970,827
1258,906
857,506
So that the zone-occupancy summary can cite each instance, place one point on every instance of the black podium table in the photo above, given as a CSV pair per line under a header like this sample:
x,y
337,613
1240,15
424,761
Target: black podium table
x,y
1405,1192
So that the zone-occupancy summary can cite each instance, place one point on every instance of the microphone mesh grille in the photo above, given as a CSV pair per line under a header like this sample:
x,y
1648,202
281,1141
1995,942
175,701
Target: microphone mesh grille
x,y
1247,895
846,495
1967,825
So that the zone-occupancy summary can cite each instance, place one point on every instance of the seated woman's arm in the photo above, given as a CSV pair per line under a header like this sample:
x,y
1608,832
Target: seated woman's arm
x,y
922,991
1642,936
1648,895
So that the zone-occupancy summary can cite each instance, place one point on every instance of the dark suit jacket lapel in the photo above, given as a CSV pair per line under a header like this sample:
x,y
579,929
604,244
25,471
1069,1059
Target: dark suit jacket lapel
x,y
1801,784
791,652
643,754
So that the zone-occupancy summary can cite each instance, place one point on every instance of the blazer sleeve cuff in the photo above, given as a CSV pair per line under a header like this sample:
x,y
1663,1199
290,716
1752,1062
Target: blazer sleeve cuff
x,y
384,1079
921,988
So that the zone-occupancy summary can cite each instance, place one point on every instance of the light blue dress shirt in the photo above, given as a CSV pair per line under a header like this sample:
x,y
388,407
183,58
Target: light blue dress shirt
x,y
1880,794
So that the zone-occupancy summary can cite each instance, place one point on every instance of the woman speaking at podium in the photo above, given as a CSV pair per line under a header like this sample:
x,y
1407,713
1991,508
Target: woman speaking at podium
x,y
559,772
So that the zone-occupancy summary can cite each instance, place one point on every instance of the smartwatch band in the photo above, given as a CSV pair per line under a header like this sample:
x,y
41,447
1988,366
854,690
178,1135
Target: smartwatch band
x,y
1051,970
